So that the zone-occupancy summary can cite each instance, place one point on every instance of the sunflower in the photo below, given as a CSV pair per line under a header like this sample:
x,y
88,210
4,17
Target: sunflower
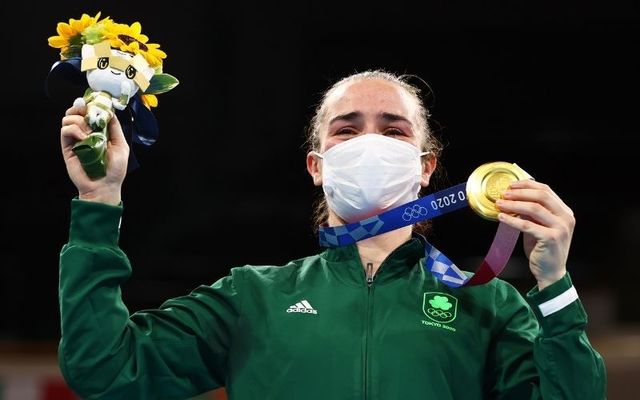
x,y
127,38
131,40
149,100
69,39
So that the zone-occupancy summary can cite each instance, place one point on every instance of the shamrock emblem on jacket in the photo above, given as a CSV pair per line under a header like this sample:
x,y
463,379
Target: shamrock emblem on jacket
x,y
440,302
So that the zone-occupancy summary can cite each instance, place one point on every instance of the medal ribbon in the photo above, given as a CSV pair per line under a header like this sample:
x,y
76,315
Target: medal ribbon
x,y
425,208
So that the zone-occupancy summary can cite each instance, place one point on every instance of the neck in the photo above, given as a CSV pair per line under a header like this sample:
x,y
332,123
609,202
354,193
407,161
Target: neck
x,y
375,250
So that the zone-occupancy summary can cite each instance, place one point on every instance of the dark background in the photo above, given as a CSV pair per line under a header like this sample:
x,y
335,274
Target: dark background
x,y
553,88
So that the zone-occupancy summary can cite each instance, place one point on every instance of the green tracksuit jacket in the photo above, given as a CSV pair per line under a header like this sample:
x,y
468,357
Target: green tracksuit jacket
x,y
314,329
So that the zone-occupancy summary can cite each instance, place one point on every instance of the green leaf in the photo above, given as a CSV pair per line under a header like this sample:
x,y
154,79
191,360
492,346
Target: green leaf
x,y
72,51
161,83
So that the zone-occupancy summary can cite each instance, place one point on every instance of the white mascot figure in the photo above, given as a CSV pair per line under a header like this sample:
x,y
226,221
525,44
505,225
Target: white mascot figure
x,y
114,77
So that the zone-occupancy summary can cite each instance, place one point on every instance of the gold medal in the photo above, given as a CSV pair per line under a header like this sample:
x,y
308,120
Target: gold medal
x,y
487,184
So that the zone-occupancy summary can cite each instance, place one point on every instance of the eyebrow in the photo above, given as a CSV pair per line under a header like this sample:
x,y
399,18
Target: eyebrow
x,y
394,117
349,117
355,115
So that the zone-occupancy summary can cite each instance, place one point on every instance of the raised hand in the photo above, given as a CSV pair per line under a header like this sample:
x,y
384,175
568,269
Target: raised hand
x,y
547,224
106,189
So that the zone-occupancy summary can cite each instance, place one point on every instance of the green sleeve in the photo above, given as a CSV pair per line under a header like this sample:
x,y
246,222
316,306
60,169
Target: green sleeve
x,y
511,373
543,357
569,367
176,351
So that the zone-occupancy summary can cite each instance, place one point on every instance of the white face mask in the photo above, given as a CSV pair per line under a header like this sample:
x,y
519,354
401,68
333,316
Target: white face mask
x,y
368,174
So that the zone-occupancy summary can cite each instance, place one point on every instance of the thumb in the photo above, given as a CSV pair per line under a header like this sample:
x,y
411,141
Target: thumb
x,y
116,136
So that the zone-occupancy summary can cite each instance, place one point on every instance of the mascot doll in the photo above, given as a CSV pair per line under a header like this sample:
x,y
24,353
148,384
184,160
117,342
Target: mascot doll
x,y
122,73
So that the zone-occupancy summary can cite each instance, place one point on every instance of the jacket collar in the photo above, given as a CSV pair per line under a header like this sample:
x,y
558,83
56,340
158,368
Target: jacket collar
x,y
346,264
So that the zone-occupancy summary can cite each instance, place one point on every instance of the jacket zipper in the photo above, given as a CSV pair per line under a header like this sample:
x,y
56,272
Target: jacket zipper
x,y
369,279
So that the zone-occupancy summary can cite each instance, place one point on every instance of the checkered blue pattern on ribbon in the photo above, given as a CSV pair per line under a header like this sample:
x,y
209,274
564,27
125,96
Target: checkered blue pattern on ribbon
x,y
443,268
424,208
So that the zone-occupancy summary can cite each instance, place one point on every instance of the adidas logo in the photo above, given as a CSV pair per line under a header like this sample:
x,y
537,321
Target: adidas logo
x,y
302,307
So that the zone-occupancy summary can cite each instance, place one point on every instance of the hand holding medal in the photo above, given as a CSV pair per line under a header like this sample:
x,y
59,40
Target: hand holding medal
x,y
492,190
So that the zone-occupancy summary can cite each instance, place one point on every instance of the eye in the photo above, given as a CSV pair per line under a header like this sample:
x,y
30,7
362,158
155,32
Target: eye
x,y
394,132
346,131
103,62
130,72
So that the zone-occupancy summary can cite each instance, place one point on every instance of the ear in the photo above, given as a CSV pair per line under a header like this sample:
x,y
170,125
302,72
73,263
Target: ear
x,y
88,51
314,167
429,163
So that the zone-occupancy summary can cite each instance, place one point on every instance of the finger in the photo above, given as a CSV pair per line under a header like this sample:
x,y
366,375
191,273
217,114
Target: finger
x,y
528,183
541,196
531,184
76,120
116,136
76,110
71,134
523,225
531,210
